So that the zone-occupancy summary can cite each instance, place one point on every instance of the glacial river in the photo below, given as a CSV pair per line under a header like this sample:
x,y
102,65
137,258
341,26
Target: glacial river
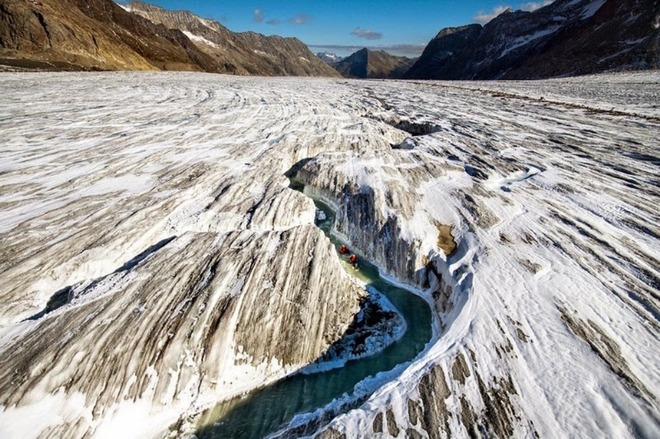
x,y
266,410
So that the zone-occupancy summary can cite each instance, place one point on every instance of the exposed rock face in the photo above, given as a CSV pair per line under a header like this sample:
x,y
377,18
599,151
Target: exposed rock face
x,y
567,37
621,35
94,34
443,51
367,63
246,53
285,56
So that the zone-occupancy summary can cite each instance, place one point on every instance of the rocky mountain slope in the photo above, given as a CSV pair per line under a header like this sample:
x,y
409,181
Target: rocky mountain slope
x,y
102,35
91,34
565,38
367,63
246,53
154,261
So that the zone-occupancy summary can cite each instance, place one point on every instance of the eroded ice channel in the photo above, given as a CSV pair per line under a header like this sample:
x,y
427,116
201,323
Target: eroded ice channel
x,y
264,411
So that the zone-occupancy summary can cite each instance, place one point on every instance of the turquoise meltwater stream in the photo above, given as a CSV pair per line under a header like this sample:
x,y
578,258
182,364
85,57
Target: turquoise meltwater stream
x,y
266,410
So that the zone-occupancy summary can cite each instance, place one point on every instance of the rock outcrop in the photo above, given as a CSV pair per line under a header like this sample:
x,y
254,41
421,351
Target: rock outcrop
x,y
375,64
565,38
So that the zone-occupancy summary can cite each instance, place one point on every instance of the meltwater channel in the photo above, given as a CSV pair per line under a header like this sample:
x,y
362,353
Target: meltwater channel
x,y
268,409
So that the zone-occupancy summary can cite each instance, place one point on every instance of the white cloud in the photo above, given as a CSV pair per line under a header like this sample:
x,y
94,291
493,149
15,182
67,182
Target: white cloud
x,y
299,19
484,17
367,34
258,15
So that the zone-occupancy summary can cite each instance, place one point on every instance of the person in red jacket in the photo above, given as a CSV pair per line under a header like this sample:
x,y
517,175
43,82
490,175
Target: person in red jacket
x,y
343,249
353,259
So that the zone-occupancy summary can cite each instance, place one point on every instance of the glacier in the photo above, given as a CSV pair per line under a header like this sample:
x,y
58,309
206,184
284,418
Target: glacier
x,y
154,260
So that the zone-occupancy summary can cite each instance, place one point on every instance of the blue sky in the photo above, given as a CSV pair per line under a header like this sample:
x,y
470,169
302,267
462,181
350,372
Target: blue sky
x,y
344,26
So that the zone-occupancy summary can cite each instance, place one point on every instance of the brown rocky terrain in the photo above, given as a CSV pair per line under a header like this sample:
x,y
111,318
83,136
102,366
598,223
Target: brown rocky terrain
x,y
92,35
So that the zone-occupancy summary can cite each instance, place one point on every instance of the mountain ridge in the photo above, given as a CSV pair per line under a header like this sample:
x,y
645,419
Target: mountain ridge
x,y
243,53
104,35
564,38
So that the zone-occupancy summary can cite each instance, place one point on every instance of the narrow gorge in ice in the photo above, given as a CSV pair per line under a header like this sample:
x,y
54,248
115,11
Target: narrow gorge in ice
x,y
169,261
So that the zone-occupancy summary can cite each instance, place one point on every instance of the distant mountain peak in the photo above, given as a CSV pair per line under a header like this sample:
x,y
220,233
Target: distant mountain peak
x,y
366,63
329,57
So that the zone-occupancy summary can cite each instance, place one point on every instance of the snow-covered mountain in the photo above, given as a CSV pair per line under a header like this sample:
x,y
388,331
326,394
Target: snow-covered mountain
x,y
329,57
565,38
155,261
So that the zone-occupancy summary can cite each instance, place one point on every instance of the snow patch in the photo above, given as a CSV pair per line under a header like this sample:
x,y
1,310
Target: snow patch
x,y
206,23
591,9
197,39
262,53
526,39
126,8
